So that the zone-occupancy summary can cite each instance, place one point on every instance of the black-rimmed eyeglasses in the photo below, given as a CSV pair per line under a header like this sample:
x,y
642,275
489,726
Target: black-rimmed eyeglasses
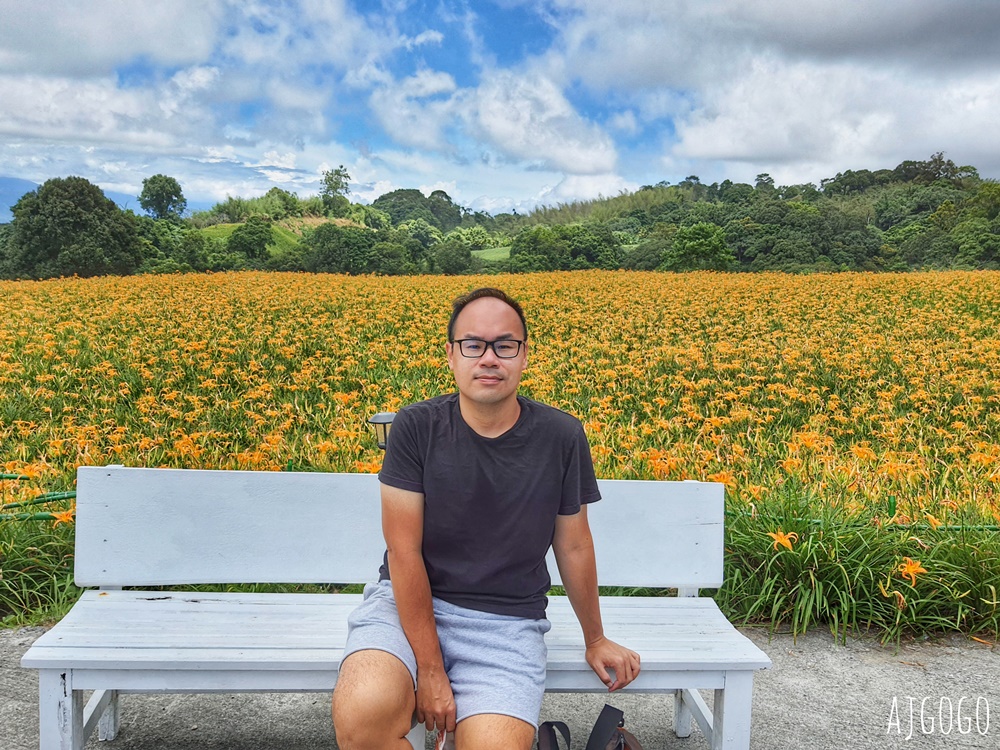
x,y
476,348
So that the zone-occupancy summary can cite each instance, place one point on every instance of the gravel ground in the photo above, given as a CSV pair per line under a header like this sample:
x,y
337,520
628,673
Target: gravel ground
x,y
819,695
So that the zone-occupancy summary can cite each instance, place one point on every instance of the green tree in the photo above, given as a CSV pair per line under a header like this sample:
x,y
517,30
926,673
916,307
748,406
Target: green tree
x,y
445,212
67,226
252,238
370,217
452,257
978,243
281,203
422,231
335,190
333,249
474,237
391,259
403,204
699,247
539,248
162,198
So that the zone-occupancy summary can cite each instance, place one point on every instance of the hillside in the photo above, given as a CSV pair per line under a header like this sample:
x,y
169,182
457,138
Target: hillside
x,y
930,214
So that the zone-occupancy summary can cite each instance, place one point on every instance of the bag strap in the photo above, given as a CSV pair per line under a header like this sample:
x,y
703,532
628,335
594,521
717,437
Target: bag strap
x,y
547,735
605,727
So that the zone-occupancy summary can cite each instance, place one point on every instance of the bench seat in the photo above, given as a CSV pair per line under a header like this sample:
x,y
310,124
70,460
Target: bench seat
x,y
138,528
193,638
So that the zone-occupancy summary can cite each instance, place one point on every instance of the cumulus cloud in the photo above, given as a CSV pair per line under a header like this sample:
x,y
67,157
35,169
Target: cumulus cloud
x,y
528,118
73,39
924,34
585,187
803,121
795,87
417,110
237,95
95,111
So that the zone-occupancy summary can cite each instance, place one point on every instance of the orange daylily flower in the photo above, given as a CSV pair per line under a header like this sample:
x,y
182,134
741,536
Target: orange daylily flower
x,y
785,540
910,569
63,516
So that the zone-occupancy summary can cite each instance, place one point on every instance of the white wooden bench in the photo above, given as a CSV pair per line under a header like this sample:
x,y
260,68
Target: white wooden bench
x,y
150,527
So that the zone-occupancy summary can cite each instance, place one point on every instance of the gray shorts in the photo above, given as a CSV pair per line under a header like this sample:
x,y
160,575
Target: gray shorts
x,y
496,663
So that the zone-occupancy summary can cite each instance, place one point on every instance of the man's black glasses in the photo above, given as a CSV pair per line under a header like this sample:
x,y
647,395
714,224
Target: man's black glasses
x,y
476,348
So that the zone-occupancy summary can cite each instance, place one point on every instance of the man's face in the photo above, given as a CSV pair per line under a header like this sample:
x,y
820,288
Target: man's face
x,y
489,379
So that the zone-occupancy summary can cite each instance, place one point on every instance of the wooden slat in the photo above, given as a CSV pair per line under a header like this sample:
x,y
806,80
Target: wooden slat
x,y
141,527
144,527
658,534
134,630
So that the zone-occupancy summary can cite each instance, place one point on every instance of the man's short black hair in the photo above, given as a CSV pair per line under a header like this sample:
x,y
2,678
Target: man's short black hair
x,y
487,291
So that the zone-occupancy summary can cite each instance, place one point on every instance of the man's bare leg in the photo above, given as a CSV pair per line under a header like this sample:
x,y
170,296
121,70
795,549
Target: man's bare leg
x,y
493,732
373,702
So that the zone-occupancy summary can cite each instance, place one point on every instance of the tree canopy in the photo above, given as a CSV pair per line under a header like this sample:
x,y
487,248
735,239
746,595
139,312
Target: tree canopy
x,y
922,214
68,227
162,198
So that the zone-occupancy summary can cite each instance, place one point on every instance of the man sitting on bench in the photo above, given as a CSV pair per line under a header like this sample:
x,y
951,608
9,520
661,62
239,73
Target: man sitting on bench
x,y
475,488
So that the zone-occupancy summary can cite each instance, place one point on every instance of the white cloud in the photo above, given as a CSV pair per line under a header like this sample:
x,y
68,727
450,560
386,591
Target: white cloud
x,y
425,37
585,187
274,159
624,122
366,193
82,39
417,110
804,121
528,118
237,95
448,186
44,109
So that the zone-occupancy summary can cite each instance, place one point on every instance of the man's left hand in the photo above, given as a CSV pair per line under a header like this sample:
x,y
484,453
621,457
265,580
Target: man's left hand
x,y
603,655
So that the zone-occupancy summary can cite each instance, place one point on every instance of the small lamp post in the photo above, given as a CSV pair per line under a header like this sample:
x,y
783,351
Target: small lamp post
x,y
381,422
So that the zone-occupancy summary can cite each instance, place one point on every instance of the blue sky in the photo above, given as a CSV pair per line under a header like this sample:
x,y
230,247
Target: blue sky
x,y
503,104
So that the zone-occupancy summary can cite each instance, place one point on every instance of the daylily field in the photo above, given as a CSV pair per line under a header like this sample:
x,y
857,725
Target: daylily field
x,y
858,408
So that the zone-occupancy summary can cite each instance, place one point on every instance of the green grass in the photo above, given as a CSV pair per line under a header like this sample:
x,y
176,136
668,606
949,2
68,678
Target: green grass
x,y
284,238
493,253
219,231
843,571
36,572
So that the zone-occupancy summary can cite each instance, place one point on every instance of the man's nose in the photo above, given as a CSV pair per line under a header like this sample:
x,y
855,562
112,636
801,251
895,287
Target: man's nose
x,y
490,356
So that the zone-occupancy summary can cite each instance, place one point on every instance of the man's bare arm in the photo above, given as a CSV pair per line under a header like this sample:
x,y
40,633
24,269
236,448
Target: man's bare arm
x,y
402,527
574,549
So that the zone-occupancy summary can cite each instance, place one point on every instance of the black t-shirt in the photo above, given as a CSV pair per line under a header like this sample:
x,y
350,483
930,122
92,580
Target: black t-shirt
x,y
490,504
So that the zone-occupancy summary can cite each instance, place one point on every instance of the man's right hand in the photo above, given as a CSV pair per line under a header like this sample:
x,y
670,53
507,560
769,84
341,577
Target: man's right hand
x,y
435,700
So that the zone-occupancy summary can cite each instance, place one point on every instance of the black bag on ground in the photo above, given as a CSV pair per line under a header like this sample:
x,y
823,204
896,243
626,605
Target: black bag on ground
x,y
609,733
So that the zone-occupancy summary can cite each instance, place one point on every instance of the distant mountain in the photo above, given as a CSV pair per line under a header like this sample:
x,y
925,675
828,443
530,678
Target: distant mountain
x,y
11,190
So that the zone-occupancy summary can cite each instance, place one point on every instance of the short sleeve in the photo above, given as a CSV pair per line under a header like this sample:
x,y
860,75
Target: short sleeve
x,y
579,481
403,465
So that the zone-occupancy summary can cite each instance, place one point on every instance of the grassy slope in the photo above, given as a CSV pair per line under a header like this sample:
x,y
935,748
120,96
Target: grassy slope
x,y
493,253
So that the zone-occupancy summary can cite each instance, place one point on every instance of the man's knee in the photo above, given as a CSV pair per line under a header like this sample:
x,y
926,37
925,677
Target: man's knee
x,y
494,732
373,700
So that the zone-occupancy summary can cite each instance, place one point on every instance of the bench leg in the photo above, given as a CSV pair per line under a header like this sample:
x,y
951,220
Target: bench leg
x,y
682,715
60,711
107,726
731,713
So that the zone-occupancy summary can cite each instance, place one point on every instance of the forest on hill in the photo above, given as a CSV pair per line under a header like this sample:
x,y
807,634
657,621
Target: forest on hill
x,y
930,214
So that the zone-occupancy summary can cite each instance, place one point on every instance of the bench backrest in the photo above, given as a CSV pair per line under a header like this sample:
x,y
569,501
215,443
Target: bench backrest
x,y
143,527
